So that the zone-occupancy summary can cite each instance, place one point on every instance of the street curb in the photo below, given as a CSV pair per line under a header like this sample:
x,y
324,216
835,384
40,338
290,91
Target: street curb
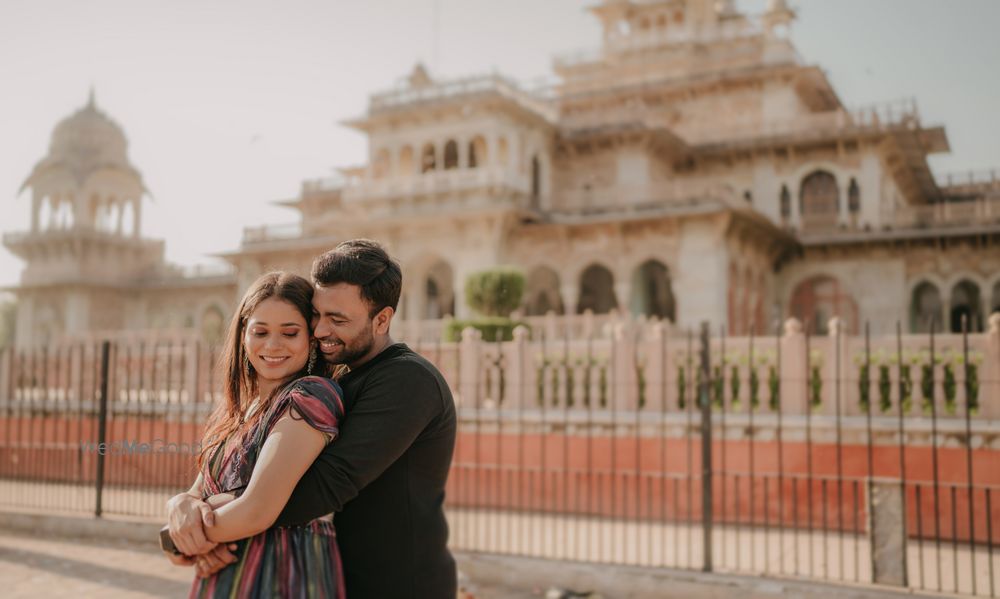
x,y
80,525
633,582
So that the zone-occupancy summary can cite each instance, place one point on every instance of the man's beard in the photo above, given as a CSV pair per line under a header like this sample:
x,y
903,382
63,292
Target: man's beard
x,y
355,351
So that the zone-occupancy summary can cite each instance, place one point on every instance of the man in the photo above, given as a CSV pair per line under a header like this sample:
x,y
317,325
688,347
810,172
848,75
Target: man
x,y
385,476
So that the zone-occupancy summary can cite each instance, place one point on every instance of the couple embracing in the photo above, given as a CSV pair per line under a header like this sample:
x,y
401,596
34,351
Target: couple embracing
x,y
321,414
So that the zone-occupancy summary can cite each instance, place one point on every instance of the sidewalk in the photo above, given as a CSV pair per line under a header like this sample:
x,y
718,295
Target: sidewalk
x,y
36,566
45,554
46,565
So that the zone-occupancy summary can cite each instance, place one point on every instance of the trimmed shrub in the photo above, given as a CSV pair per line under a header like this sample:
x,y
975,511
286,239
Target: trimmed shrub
x,y
495,292
493,329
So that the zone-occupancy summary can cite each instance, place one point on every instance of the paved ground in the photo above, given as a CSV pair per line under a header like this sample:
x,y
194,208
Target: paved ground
x,y
31,566
39,567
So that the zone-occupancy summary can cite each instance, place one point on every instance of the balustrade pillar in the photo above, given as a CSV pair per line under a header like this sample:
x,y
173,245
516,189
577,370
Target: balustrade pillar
x,y
519,371
655,367
624,378
470,369
989,394
793,395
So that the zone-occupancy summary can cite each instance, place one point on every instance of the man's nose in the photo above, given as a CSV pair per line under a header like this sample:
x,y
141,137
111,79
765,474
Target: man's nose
x,y
321,330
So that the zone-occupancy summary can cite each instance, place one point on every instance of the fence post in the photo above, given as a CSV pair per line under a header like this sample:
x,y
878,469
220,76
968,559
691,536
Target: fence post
x,y
706,449
102,425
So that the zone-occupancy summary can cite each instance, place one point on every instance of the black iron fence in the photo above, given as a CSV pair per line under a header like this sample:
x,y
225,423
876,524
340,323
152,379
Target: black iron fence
x,y
856,459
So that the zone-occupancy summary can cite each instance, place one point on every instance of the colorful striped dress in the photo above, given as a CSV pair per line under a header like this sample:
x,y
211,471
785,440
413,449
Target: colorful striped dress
x,y
293,561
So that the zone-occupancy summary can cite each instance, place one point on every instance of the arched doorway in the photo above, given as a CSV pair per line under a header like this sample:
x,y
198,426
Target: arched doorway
x,y
406,161
925,308
597,290
450,155
818,299
819,200
536,181
213,325
439,293
652,294
965,302
428,158
542,294
477,152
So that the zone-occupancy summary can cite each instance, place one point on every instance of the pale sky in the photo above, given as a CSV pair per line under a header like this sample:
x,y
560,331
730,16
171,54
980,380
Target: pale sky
x,y
229,104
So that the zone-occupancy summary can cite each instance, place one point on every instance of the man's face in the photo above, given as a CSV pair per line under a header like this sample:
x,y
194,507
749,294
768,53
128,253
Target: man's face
x,y
342,324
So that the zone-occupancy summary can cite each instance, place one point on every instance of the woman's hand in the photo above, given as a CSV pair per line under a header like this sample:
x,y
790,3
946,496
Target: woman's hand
x,y
209,563
289,450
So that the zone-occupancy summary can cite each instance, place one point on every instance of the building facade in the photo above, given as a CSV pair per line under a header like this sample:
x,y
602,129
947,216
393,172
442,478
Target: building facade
x,y
89,270
692,168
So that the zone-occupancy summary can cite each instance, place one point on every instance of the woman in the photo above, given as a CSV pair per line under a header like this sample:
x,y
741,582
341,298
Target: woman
x,y
271,425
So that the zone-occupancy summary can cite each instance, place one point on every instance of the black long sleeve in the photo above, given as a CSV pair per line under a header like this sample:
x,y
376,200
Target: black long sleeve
x,y
393,407
385,479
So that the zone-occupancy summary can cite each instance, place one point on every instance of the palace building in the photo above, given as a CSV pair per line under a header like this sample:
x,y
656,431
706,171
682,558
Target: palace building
x,y
691,168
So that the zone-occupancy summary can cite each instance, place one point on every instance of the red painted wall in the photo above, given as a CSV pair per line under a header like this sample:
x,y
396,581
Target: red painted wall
x,y
647,478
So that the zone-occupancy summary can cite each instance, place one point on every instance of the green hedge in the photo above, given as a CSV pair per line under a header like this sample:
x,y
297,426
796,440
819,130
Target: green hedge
x,y
492,328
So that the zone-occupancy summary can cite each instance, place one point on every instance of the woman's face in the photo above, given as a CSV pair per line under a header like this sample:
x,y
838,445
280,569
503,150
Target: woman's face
x,y
276,340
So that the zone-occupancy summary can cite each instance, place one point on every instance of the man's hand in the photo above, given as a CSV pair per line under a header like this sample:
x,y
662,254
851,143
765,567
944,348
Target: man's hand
x,y
215,560
221,555
187,517
180,560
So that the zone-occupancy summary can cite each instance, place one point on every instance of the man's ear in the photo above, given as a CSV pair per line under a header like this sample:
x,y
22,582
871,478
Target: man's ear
x,y
382,320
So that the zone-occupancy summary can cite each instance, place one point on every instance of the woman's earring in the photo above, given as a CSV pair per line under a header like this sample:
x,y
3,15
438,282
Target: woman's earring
x,y
246,366
312,359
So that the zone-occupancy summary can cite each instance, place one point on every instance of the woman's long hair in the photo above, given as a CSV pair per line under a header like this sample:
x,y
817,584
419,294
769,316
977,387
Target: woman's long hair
x,y
240,382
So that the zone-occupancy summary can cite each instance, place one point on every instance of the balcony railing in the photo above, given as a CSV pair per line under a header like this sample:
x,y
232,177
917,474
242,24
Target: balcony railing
x,y
633,41
322,184
202,271
982,211
640,197
78,231
268,233
971,178
435,182
875,117
444,90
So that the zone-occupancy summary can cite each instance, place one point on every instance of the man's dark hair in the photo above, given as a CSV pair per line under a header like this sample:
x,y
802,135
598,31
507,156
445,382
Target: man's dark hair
x,y
364,263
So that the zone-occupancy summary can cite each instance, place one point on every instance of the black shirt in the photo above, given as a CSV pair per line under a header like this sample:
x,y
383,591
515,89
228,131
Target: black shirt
x,y
385,477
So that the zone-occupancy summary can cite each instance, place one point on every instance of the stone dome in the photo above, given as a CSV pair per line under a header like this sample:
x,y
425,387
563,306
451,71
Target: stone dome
x,y
84,142
89,136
